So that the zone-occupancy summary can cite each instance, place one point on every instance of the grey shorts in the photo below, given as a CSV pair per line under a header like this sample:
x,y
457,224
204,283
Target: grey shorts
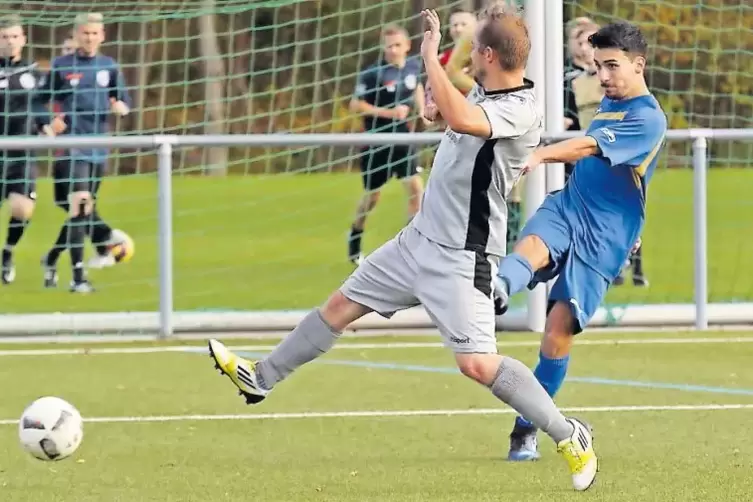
x,y
453,285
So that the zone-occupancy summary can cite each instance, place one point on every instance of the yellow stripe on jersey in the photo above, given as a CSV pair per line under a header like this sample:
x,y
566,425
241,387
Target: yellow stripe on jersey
x,y
610,116
637,179
643,166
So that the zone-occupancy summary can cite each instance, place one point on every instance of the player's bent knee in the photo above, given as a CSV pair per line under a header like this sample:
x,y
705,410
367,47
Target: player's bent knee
x,y
481,368
80,203
559,332
339,311
21,207
533,249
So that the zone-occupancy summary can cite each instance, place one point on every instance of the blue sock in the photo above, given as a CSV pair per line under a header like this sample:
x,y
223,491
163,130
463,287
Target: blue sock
x,y
550,373
516,271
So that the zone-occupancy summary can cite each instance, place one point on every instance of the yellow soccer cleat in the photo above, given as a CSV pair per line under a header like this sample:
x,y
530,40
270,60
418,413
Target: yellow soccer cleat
x,y
240,371
579,453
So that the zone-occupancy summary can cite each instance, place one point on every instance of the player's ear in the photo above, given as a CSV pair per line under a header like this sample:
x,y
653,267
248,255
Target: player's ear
x,y
640,64
488,54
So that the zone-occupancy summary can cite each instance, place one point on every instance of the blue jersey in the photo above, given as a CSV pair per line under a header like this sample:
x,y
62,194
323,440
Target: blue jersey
x,y
84,86
604,201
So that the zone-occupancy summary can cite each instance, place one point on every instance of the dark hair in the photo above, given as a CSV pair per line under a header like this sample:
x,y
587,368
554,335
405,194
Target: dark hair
x,y
621,35
506,33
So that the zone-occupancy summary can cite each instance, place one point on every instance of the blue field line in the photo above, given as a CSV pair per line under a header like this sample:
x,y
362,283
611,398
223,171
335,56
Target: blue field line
x,y
592,380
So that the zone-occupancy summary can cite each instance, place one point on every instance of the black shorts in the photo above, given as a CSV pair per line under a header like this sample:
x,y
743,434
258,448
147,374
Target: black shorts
x,y
380,163
75,176
19,176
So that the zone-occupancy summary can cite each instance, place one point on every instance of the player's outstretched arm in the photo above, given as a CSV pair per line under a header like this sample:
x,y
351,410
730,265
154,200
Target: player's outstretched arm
x,y
569,151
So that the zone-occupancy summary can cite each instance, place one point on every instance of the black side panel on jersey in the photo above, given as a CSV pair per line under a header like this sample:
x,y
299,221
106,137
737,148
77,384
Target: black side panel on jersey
x,y
477,235
482,274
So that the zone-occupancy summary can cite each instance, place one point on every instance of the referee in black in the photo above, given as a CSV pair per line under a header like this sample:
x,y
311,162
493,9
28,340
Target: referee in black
x,y
22,112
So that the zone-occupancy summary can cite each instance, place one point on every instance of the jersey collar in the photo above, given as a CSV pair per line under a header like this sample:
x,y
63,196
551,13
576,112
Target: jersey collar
x,y
6,62
384,63
527,84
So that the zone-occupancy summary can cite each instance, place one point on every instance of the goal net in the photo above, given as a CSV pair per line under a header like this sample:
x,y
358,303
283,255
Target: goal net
x,y
263,230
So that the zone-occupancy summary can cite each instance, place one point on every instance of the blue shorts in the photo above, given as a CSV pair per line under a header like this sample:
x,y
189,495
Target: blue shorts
x,y
579,286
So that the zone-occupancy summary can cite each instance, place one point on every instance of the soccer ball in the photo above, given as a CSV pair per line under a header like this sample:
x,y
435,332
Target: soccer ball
x,y
121,246
51,429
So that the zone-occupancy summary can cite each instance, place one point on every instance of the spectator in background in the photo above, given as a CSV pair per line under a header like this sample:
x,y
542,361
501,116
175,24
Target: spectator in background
x,y
585,87
574,67
386,94
457,59
69,45
22,112
89,87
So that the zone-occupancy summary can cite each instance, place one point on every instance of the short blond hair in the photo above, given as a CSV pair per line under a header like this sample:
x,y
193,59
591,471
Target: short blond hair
x,y
505,31
394,29
578,24
89,18
10,21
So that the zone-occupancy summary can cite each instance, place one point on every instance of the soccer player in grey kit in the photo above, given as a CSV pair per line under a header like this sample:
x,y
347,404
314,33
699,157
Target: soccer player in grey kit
x,y
446,257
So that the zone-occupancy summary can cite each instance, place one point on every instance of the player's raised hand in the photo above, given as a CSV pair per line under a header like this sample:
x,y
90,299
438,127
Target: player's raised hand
x,y
431,113
432,35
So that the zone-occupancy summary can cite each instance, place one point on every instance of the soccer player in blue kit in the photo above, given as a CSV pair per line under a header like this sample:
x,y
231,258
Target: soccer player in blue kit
x,y
585,232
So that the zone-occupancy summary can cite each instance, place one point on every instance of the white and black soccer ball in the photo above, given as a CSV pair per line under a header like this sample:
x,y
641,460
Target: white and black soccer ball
x,y
51,429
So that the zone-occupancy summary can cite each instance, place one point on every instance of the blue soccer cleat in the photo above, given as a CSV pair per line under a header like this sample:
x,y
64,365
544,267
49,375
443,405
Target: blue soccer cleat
x,y
523,444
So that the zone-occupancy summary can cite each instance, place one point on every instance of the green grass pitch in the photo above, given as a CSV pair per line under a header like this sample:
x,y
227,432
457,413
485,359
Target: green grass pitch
x,y
272,242
665,428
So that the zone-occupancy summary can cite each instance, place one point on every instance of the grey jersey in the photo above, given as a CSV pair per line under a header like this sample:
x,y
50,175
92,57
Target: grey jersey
x,y
465,203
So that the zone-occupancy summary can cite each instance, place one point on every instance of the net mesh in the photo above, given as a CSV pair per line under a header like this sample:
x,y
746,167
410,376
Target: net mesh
x,y
259,239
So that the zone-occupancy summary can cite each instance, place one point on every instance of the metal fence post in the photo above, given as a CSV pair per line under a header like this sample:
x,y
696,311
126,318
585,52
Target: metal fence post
x,y
535,183
165,218
700,222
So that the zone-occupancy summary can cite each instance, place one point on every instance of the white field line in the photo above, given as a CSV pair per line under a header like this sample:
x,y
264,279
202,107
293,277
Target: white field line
x,y
399,413
367,346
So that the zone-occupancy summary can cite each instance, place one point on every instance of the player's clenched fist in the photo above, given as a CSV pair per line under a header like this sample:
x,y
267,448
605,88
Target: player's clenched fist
x,y
400,112
531,163
431,111
119,108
